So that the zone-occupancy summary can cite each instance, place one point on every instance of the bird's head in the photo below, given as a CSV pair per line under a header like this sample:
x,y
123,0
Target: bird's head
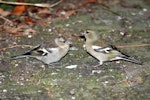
x,y
90,35
61,41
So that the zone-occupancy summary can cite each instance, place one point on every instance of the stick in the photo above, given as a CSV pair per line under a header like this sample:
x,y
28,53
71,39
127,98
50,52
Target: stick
x,y
3,49
132,46
5,19
30,4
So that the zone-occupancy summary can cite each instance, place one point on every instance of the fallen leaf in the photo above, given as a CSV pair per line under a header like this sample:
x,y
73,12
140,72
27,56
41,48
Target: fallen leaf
x,y
17,30
91,1
29,31
2,39
71,5
108,3
43,22
4,13
18,10
69,13
43,11
28,20
126,4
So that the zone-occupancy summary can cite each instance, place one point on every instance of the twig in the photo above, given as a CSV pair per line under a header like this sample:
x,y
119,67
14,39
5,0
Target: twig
x,y
133,46
5,19
130,46
44,5
3,49
113,12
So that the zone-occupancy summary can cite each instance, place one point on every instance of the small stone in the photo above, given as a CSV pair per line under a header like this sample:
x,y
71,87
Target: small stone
x,y
4,90
72,92
73,48
67,25
49,30
144,9
71,66
63,12
106,82
73,98
29,36
16,65
39,91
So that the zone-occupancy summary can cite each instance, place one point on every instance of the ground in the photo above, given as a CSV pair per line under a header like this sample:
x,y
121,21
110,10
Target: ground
x,y
75,77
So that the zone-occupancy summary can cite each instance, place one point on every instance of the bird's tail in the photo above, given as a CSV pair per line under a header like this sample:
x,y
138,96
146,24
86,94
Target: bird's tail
x,y
18,57
12,58
26,54
129,59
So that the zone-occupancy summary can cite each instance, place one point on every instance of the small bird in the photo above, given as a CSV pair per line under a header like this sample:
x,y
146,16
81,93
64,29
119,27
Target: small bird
x,y
104,54
48,55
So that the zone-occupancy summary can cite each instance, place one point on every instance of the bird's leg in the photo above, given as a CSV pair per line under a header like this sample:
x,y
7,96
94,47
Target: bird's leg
x,y
26,60
55,65
50,65
100,63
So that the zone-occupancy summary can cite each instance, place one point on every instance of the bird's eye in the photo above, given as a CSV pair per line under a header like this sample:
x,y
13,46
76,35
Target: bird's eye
x,y
87,32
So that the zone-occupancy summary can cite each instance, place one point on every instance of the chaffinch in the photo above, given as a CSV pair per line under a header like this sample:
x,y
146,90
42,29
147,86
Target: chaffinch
x,y
48,55
104,54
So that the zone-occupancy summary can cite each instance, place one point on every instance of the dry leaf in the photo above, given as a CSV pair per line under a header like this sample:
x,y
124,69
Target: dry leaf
x,y
126,4
91,1
18,10
29,31
4,13
43,11
69,13
72,6
28,20
43,22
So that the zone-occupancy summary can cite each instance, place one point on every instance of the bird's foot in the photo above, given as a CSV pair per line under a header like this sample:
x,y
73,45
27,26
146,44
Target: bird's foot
x,y
100,63
51,65
96,65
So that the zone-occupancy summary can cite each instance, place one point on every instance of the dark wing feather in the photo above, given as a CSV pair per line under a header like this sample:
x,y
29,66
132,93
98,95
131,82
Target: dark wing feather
x,y
36,51
41,52
32,50
115,48
110,48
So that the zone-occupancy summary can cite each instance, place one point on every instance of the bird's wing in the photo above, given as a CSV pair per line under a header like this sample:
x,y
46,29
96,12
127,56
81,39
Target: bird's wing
x,y
96,47
36,51
42,52
32,50
105,50
101,49
51,50
122,54
110,49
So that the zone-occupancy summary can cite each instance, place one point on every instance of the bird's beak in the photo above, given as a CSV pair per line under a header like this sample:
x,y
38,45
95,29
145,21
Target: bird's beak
x,y
69,41
83,33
